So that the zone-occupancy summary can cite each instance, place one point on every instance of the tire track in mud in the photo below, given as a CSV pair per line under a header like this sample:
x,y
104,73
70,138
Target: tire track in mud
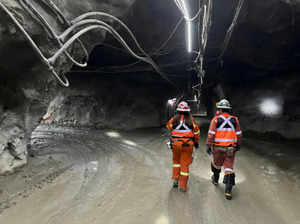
x,y
100,181
126,172
85,155
48,179
52,142
132,156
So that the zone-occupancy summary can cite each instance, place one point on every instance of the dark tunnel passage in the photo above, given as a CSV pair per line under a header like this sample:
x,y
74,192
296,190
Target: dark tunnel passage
x,y
88,143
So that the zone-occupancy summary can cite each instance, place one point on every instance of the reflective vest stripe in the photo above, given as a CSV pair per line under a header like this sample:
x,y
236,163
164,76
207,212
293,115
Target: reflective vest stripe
x,y
225,129
228,170
184,174
176,165
182,124
225,140
227,121
183,131
177,136
212,132
225,135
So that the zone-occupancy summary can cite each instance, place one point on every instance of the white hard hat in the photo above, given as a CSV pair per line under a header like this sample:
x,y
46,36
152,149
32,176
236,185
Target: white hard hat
x,y
183,106
223,104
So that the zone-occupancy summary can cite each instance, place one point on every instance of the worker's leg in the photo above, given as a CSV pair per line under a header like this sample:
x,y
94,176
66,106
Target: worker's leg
x,y
176,149
216,165
186,160
216,174
229,177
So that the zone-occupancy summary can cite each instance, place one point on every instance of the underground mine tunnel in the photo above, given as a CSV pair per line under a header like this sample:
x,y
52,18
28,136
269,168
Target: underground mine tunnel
x,y
86,91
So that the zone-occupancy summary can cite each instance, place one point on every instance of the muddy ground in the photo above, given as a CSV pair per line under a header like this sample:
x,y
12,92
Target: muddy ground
x,y
92,177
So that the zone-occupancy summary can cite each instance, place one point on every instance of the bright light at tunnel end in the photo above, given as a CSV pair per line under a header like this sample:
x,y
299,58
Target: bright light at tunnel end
x,y
271,107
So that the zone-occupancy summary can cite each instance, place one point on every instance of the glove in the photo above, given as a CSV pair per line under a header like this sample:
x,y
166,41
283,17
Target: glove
x,y
196,145
237,148
208,150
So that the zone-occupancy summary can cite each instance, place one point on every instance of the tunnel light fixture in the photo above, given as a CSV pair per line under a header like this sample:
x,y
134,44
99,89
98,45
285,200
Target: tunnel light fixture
x,y
189,28
181,4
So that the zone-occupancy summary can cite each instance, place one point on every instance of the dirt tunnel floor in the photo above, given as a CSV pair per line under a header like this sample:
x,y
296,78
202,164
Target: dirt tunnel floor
x,y
93,177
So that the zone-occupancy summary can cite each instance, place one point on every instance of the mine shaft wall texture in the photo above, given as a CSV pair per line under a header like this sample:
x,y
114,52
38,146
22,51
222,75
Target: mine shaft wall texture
x,y
108,103
27,87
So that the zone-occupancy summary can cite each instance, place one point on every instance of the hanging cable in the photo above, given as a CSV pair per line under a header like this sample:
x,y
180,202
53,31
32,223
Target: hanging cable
x,y
64,81
181,5
231,28
169,38
112,31
205,22
78,22
48,28
64,21
154,53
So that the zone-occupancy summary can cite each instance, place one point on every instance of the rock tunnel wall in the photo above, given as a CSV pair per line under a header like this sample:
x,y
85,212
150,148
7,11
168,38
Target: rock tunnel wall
x,y
27,87
109,102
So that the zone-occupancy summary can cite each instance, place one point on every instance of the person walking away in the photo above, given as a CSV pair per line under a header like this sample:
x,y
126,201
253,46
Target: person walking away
x,y
185,135
223,140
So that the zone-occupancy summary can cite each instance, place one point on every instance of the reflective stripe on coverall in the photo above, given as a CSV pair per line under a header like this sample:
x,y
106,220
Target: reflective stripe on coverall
x,y
183,139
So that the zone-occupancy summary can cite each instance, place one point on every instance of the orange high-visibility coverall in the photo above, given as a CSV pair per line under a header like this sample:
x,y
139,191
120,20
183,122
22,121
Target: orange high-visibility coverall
x,y
224,131
182,140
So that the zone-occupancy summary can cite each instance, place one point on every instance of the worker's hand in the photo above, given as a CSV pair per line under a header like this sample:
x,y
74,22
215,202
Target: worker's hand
x,y
237,148
208,150
196,145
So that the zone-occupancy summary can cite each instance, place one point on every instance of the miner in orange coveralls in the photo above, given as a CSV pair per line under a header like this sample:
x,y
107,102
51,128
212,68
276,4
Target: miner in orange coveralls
x,y
224,139
185,135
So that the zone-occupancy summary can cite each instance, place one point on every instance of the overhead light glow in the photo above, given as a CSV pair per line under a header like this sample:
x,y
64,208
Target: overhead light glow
x,y
181,4
189,26
271,107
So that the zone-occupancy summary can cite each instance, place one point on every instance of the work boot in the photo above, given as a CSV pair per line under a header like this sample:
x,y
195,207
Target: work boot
x,y
175,183
182,190
229,181
216,175
215,179
228,191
